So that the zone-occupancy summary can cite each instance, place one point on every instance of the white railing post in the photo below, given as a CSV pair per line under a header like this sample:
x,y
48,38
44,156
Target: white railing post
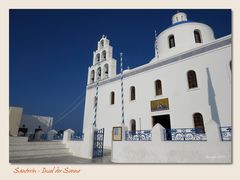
x,y
67,135
124,129
158,133
51,134
212,131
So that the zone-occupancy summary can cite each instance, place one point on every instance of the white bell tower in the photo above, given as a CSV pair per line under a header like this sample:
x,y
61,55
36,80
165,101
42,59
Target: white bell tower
x,y
179,17
104,66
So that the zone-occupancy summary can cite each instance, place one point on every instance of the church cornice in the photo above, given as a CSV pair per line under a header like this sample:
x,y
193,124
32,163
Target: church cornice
x,y
218,43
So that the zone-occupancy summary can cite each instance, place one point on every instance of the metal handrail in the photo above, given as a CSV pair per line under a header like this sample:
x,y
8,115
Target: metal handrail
x,y
138,135
185,134
58,137
79,136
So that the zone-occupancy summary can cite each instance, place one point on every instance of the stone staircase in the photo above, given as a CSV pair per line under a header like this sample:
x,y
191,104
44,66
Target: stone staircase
x,y
20,148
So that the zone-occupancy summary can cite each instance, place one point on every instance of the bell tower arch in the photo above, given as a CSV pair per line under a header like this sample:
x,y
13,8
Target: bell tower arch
x,y
104,65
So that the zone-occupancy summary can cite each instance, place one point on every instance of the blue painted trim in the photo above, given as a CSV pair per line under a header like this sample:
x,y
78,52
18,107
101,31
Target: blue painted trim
x,y
226,133
182,22
185,134
138,135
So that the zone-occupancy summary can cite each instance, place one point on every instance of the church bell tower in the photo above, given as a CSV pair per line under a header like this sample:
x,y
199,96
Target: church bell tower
x,y
104,66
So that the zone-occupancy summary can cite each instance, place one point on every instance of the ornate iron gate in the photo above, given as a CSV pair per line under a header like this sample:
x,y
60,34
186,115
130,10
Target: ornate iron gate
x,y
98,143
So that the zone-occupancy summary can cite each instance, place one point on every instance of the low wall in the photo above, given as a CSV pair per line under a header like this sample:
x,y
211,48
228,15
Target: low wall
x,y
171,152
83,148
80,149
15,115
33,122
213,150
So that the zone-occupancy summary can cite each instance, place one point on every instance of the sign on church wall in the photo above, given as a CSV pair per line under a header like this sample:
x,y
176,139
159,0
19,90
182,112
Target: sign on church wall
x,y
117,134
159,105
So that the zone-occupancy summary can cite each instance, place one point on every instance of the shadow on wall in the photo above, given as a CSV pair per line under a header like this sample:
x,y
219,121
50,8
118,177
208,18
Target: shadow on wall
x,y
212,100
33,122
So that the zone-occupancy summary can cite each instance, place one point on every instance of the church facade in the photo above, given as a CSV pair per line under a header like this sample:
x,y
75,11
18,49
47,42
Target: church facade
x,y
186,85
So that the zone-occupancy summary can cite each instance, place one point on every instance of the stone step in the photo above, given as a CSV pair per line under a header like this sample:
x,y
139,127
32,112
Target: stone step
x,y
40,152
107,152
39,156
17,139
23,147
35,143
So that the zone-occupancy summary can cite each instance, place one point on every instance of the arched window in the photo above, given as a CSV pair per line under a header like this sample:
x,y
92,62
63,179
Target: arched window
x,y
158,87
133,125
104,55
171,41
97,58
105,71
99,73
112,98
197,36
102,43
198,123
92,76
132,93
192,79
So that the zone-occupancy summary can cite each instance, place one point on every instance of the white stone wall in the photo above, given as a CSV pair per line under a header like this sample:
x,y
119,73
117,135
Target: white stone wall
x,y
109,60
83,148
212,98
159,151
171,152
32,122
184,38
15,115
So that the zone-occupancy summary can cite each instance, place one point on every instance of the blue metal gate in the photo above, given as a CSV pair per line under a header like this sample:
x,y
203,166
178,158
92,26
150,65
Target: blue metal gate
x,y
98,143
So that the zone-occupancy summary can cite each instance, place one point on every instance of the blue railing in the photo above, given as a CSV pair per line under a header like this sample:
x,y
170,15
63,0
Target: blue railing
x,y
43,137
226,133
185,134
139,135
58,137
77,136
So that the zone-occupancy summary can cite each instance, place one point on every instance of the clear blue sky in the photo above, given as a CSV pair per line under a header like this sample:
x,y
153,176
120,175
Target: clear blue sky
x,y
51,50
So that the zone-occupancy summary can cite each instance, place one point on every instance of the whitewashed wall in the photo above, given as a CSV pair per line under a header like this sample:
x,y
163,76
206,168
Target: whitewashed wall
x,y
83,148
212,98
184,38
171,152
32,122
15,115
158,151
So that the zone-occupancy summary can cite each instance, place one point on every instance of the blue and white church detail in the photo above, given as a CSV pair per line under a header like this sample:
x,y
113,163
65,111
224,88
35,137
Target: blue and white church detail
x,y
104,66
187,84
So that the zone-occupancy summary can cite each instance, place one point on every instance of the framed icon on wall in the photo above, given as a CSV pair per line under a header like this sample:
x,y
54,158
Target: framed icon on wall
x,y
117,134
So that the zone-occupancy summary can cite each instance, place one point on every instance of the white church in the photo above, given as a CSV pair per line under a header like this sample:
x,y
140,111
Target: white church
x,y
187,84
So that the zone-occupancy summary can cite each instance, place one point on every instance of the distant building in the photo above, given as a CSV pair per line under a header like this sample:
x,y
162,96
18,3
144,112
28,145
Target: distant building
x,y
35,122
186,84
26,125
15,115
